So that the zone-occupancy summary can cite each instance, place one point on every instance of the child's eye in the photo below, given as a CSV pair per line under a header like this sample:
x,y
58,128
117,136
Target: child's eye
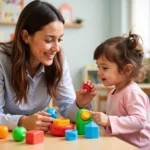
x,y
105,68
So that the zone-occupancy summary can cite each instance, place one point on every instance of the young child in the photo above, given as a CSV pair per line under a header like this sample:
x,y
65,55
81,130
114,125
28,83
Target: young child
x,y
121,63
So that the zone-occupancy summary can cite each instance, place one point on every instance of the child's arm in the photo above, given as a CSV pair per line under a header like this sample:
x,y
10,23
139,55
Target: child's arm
x,y
136,106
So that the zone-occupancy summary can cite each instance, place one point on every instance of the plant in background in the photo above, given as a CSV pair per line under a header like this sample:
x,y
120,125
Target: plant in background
x,y
78,20
147,80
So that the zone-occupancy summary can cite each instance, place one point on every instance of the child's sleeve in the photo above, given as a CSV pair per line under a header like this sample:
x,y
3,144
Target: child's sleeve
x,y
136,105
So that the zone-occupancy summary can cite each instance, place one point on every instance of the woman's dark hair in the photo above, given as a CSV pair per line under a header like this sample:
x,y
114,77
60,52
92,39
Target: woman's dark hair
x,y
124,50
33,18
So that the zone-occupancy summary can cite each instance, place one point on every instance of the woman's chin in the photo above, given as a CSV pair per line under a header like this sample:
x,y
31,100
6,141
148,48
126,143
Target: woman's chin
x,y
48,63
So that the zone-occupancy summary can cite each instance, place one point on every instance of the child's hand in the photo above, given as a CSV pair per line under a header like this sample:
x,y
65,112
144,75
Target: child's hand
x,y
85,95
100,118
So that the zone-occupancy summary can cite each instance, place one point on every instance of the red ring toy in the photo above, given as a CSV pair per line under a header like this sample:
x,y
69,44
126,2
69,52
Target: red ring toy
x,y
60,130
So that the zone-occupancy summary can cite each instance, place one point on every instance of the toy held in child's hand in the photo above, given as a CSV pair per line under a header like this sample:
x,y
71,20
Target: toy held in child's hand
x,y
19,134
87,87
53,113
3,131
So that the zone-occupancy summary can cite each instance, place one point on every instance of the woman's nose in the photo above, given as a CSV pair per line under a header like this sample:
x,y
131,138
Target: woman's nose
x,y
56,46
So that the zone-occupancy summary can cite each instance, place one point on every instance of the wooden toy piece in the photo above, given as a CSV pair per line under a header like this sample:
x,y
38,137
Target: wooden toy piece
x,y
19,134
61,122
71,135
34,137
53,113
3,132
87,87
83,117
59,127
91,131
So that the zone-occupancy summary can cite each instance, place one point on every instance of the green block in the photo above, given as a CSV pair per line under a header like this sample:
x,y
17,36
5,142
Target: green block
x,y
80,122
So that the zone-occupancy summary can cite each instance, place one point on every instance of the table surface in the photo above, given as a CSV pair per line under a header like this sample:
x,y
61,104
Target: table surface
x,y
104,142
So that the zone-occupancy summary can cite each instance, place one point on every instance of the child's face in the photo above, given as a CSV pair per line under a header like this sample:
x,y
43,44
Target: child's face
x,y
109,74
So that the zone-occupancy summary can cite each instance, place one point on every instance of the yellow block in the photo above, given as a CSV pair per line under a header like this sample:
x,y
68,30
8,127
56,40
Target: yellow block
x,y
61,122
85,115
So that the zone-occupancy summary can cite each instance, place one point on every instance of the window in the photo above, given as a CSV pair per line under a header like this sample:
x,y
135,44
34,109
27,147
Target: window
x,y
141,22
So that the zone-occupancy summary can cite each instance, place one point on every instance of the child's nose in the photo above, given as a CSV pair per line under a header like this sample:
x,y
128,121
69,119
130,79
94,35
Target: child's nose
x,y
99,73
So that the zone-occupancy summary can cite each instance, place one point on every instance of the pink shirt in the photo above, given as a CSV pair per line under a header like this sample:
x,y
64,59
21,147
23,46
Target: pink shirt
x,y
129,113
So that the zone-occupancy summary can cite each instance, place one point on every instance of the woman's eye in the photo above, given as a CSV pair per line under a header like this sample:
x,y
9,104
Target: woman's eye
x,y
59,40
48,41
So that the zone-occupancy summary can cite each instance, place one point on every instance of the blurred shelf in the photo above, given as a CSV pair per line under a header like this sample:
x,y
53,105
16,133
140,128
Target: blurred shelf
x,y
68,25
73,25
7,23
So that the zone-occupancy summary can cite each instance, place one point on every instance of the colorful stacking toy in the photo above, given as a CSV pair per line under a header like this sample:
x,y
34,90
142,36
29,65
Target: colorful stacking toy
x,y
59,126
82,119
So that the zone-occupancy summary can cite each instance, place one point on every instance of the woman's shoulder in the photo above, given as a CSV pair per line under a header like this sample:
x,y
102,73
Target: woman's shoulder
x,y
5,58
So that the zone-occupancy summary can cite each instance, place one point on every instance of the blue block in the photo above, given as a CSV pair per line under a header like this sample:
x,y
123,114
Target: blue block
x,y
71,135
91,131
53,113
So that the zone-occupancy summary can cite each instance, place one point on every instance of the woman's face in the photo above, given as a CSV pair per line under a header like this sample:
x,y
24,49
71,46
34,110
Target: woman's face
x,y
44,44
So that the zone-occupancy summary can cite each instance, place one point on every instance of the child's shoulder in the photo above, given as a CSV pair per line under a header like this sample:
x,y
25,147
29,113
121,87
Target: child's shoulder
x,y
134,89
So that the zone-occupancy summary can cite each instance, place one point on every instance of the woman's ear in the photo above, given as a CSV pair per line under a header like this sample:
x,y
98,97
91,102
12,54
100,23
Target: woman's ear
x,y
128,69
25,36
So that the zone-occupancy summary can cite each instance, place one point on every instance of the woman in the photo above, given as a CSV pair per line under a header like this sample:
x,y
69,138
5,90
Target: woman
x,y
33,70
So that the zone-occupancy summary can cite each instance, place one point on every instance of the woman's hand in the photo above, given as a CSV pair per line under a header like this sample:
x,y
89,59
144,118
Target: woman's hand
x,y
84,96
100,118
38,121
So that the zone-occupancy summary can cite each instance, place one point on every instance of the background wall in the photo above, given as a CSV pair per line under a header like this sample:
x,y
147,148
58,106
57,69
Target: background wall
x,y
102,19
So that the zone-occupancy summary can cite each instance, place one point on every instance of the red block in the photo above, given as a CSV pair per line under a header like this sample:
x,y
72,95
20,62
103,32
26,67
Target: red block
x,y
87,87
34,137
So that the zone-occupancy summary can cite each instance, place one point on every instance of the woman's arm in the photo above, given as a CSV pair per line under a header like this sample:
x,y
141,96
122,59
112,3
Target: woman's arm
x,y
6,119
39,120
67,100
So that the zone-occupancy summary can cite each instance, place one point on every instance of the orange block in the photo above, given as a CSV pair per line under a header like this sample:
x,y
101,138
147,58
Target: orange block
x,y
3,131
34,136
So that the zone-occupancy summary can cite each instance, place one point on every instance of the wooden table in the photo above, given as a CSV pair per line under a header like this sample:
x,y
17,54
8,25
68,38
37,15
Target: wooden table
x,y
59,143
